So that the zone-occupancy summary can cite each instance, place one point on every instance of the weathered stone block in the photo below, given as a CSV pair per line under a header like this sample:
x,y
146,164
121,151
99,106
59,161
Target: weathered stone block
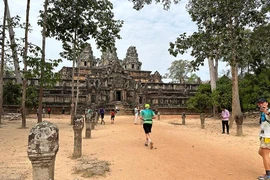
x,y
43,145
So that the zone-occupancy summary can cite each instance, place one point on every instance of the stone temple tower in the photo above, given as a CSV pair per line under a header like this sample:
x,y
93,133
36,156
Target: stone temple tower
x,y
86,58
131,61
109,57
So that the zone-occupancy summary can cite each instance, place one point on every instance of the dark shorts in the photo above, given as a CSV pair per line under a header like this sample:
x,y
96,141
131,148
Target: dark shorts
x,y
102,116
147,128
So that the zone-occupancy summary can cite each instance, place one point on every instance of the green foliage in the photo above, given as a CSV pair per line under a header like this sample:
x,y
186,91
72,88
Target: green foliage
x,y
139,4
178,70
260,48
221,28
11,93
202,99
35,65
253,86
33,60
223,93
193,78
75,22
31,97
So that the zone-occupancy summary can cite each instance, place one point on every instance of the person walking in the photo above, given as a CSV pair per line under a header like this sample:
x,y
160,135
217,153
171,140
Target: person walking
x,y
225,115
136,114
116,110
112,113
102,112
63,111
49,112
147,115
264,150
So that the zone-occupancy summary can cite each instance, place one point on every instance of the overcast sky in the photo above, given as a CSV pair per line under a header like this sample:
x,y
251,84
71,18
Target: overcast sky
x,y
150,30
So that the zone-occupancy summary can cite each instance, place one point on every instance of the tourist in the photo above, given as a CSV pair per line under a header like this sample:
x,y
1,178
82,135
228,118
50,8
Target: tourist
x,y
112,113
264,150
117,110
102,112
225,114
88,113
136,114
147,115
63,111
49,112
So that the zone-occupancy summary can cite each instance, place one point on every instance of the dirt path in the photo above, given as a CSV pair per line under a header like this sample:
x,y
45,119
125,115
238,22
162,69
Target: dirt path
x,y
181,152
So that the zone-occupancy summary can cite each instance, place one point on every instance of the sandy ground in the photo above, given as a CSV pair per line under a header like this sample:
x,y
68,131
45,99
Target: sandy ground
x,y
181,152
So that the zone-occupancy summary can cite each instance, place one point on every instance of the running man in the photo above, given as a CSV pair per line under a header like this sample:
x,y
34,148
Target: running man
x,y
147,115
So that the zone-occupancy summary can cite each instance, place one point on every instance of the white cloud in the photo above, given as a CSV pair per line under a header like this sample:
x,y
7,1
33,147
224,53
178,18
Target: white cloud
x,y
150,30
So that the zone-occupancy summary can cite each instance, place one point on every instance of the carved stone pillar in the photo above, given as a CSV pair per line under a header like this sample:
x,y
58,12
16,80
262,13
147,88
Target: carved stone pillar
x,y
96,118
183,118
43,145
88,126
93,120
202,117
158,115
78,127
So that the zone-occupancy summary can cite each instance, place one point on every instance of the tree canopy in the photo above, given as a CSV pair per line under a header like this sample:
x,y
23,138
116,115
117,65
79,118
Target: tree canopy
x,y
139,4
179,70
81,20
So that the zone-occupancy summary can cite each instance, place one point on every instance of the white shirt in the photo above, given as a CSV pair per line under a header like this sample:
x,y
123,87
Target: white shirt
x,y
136,111
265,127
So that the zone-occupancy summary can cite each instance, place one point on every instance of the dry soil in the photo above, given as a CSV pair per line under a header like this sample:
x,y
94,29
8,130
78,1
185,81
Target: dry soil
x,y
181,152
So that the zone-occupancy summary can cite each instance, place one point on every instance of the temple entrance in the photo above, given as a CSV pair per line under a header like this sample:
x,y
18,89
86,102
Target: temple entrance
x,y
118,95
140,100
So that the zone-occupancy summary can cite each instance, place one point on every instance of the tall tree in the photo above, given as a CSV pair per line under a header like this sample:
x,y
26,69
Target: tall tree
x,y
227,21
202,44
75,23
13,46
2,60
42,80
24,86
179,70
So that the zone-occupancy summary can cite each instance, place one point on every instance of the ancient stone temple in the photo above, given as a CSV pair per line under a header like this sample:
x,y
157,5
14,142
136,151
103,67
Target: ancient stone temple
x,y
110,82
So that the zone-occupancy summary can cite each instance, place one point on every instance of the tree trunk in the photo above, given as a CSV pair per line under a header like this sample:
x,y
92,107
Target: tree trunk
x,y
213,67
72,113
13,46
72,88
239,122
42,65
77,93
236,109
23,109
2,61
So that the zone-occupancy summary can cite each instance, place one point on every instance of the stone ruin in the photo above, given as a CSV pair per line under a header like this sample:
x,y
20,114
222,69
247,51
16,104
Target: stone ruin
x,y
111,82
43,145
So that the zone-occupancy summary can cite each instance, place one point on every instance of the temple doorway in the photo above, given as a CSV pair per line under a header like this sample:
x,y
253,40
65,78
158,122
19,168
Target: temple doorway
x,y
118,95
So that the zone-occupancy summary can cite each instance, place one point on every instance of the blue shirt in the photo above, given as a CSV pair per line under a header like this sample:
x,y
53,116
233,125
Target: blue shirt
x,y
147,115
